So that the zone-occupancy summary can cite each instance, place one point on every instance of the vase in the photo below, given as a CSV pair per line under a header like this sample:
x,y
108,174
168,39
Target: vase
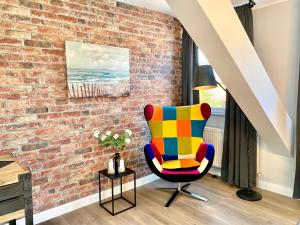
x,y
117,158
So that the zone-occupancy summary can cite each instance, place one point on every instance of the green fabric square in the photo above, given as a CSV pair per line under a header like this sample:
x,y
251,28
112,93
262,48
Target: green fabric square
x,y
183,113
184,146
156,128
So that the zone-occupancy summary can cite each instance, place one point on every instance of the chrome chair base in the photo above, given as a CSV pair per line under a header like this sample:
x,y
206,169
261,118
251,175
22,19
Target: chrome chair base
x,y
183,190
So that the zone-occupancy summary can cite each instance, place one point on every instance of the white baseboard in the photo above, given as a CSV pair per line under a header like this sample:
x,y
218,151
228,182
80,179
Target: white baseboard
x,y
287,191
215,171
279,189
71,206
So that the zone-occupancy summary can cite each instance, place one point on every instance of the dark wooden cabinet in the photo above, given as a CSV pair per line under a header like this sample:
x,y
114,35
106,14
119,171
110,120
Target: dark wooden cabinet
x,y
15,191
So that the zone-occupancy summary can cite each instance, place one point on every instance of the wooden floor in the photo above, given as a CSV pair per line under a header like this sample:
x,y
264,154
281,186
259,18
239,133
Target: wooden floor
x,y
223,207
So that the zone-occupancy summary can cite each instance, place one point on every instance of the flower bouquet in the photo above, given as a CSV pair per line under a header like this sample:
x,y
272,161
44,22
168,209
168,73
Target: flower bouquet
x,y
115,141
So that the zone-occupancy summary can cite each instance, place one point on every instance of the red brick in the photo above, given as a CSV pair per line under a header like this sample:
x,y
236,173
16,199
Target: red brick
x,y
16,10
4,64
56,2
42,14
34,110
26,65
69,19
83,150
30,4
11,57
30,147
10,41
18,34
72,114
39,181
61,142
50,150
41,44
10,96
54,52
48,30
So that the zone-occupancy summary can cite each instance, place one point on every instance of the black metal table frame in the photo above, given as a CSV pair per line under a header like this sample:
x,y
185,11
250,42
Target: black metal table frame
x,y
112,178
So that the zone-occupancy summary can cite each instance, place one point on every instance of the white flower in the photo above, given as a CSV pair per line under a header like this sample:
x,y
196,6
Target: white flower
x,y
96,133
108,133
127,141
103,137
116,136
128,132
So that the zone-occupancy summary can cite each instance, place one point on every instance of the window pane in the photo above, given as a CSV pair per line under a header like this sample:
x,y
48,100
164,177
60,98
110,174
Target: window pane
x,y
202,59
216,97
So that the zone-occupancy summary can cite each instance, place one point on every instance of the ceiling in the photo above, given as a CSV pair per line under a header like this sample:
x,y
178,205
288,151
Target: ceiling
x,y
162,6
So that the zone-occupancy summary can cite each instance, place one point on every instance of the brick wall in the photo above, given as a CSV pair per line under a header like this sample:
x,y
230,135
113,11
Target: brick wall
x,y
50,133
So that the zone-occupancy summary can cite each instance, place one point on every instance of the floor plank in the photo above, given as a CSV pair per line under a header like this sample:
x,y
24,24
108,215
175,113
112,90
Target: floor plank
x,y
223,208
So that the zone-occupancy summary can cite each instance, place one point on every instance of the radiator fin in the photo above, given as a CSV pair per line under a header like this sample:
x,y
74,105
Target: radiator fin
x,y
215,136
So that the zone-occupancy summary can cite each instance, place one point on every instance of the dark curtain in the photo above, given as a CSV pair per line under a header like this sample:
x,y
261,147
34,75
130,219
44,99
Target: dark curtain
x,y
239,147
245,15
297,176
189,64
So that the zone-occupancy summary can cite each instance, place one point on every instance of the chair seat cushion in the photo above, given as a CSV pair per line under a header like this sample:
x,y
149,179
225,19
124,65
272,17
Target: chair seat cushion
x,y
180,164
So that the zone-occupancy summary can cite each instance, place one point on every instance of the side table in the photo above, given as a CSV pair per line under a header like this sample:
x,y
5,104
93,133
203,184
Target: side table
x,y
113,177
15,191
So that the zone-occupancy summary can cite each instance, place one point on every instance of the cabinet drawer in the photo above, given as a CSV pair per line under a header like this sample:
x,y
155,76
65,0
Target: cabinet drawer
x,y
11,191
11,205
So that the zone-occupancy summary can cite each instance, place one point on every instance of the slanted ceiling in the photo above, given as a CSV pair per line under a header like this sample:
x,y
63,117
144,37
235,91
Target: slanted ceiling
x,y
216,29
162,5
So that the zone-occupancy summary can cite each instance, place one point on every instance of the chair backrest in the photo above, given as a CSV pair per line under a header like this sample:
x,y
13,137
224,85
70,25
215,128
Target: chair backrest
x,y
177,132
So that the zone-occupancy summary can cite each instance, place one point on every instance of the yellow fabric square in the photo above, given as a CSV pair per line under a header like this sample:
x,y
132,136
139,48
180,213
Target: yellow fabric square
x,y
184,146
171,164
170,128
196,113
183,113
156,128
196,141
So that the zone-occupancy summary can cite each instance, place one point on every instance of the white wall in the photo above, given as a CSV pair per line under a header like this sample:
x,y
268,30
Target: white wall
x,y
276,34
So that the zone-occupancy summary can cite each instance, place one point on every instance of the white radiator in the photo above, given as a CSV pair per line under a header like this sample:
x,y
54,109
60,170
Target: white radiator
x,y
215,136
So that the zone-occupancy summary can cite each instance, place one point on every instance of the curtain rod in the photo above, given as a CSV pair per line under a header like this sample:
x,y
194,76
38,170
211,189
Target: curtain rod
x,y
251,4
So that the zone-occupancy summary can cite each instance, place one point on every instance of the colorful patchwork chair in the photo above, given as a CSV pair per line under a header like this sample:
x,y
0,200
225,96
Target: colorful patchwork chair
x,y
177,152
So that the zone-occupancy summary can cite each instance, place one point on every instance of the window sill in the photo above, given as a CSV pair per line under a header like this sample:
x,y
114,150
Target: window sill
x,y
218,111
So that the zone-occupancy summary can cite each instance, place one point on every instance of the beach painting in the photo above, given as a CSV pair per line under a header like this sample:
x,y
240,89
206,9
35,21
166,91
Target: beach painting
x,y
95,70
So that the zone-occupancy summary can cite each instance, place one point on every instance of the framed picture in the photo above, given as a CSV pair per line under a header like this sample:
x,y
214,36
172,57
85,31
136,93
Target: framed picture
x,y
95,70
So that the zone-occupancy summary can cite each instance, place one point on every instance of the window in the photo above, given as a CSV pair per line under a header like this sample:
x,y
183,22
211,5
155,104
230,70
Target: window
x,y
215,97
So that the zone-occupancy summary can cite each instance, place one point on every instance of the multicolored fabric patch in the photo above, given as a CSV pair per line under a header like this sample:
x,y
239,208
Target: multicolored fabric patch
x,y
180,164
172,166
177,131
187,172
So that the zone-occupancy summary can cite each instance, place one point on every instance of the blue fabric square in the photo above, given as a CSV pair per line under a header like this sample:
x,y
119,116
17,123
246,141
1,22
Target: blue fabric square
x,y
149,151
170,145
169,113
170,157
210,152
198,127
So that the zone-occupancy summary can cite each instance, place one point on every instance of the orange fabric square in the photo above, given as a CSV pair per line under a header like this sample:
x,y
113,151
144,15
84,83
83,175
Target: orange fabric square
x,y
188,163
157,114
159,142
184,128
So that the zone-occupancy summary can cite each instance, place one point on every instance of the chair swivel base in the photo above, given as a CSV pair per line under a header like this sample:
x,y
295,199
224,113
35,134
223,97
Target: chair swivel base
x,y
183,190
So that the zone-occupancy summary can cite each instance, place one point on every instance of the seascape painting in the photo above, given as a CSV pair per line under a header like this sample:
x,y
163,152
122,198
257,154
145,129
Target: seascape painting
x,y
95,70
